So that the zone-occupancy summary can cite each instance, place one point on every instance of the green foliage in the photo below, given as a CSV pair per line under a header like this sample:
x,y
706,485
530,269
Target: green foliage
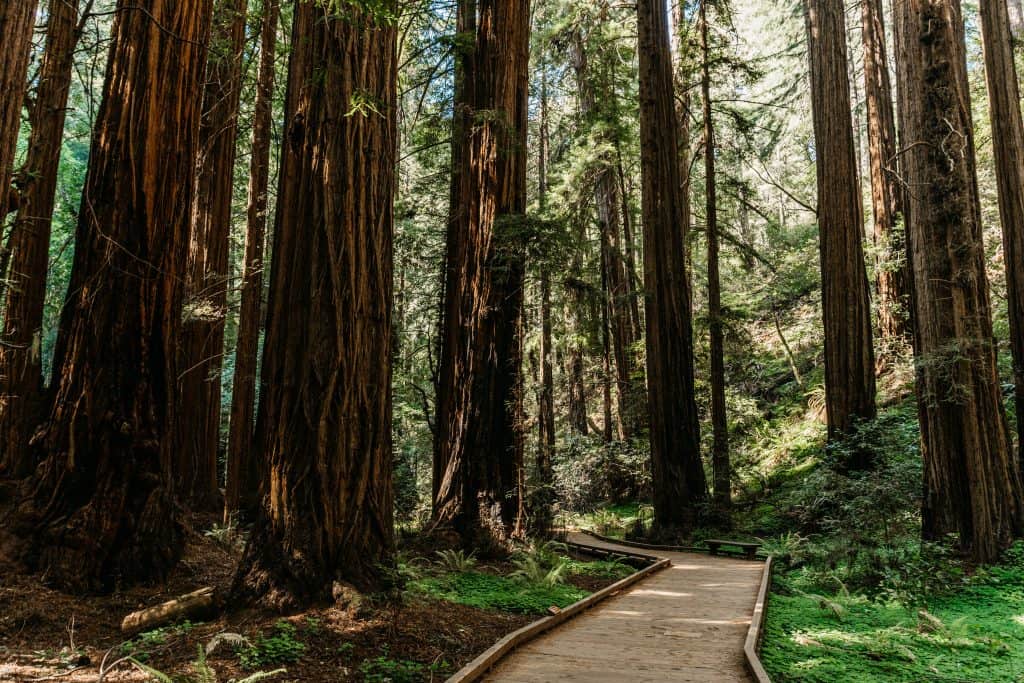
x,y
281,647
457,560
533,570
490,592
589,472
202,671
383,669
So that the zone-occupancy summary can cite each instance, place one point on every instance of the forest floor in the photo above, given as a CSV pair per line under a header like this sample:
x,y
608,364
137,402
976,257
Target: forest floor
x,y
452,608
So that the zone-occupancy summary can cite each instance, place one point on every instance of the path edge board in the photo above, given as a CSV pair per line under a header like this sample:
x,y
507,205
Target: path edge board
x,y
666,548
494,654
752,646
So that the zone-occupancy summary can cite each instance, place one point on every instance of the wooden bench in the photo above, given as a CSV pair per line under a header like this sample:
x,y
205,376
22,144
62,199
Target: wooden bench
x,y
749,549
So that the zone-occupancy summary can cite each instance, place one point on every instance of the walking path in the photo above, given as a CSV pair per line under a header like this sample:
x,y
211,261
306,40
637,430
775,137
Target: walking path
x,y
685,623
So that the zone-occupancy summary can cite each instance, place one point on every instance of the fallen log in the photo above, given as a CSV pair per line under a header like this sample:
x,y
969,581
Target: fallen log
x,y
200,604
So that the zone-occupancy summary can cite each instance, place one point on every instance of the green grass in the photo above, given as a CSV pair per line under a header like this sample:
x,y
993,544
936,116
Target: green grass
x,y
490,592
974,634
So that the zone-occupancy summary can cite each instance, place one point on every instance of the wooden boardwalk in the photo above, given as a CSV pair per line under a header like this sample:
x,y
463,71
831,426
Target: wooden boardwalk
x,y
684,623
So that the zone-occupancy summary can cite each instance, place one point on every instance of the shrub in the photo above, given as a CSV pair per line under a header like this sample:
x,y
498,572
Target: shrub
x,y
282,647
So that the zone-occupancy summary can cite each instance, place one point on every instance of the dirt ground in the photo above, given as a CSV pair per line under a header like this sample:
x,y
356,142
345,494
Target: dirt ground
x,y
46,635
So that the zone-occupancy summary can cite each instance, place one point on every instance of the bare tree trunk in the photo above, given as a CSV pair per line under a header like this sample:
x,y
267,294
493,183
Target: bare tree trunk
x,y
1008,144
546,405
21,374
102,509
846,301
719,420
891,279
197,429
972,483
678,475
324,425
17,19
243,476
478,447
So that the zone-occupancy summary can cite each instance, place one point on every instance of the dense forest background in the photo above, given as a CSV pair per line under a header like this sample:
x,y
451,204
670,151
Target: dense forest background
x,y
475,271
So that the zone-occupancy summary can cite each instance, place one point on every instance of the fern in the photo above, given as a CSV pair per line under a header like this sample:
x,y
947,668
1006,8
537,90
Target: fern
x,y
456,561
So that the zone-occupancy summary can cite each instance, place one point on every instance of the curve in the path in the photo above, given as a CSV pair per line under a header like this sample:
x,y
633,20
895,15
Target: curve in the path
x,y
685,623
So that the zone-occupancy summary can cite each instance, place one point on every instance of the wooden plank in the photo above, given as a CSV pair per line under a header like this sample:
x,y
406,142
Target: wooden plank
x,y
752,645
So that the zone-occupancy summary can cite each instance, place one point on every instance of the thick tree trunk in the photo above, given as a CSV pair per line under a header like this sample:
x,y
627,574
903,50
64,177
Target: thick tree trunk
x,y
102,510
324,425
17,20
678,475
681,72
846,300
201,349
21,379
1008,144
972,483
242,479
891,279
721,467
479,445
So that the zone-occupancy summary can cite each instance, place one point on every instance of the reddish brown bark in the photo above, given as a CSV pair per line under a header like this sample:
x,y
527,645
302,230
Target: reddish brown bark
x,y
324,425
846,300
16,24
197,429
241,489
544,496
1008,145
21,379
972,486
891,278
676,468
102,509
479,404
721,467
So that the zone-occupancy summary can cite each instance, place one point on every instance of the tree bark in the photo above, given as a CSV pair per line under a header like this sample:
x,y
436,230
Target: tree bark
x,y
241,491
17,20
846,301
324,425
972,484
678,475
479,446
201,349
1008,145
102,509
543,515
721,467
889,234
21,374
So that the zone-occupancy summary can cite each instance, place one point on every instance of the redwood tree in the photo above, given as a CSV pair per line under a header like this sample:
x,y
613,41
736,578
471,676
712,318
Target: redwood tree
x,y
324,425
478,443
891,278
719,420
17,19
197,428
1008,145
21,378
101,509
846,299
972,484
242,480
678,475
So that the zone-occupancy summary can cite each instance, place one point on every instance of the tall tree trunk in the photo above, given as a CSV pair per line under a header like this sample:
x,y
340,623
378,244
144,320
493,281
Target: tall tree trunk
x,y
678,475
608,425
846,300
632,280
21,374
242,479
546,404
17,20
479,405
614,276
1008,143
102,509
681,72
324,425
972,483
886,196
201,349
719,422
577,388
